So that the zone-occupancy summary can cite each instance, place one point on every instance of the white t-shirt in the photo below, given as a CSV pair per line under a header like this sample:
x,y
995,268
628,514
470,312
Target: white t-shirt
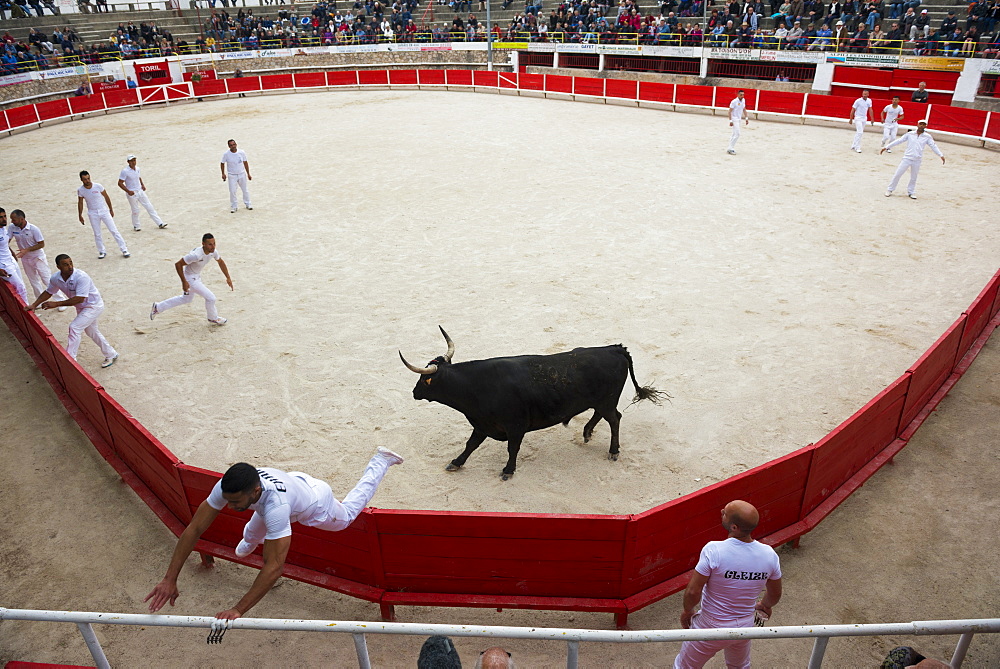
x,y
94,198
892,113
915,144
285,498
78,284
861,107
27,237
196,261
6,257
234,162
736,109
131,179
737,572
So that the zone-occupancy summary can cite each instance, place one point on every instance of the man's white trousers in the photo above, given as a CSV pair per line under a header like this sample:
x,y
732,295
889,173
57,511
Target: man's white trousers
x,y
859,123
695,654
912,164
140,197
95,222
195,287
889,133
14,278
735,136
86,321
241,181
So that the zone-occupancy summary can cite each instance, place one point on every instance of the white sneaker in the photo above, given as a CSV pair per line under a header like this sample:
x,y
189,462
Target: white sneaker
x,y
153,312
393,458
61,309
102,255
249,208
109,361
162,225
888,150
232,210
857,150
126,254
731,152
912,196
137,229
888,193
244,549
218,321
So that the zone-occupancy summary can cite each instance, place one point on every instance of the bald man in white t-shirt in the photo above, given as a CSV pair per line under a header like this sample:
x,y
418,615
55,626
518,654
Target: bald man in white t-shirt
x,y
737,113
861,114
236,170
728,578
277,500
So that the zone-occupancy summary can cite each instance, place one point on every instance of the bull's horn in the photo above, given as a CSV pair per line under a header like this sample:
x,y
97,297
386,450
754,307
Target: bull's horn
x,y
419,370
451,344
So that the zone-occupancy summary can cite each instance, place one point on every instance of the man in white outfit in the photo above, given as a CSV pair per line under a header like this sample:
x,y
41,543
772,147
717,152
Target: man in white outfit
x,y
277,500
189,270
130,181
891,115
234,163
84,296
728,578
737,113
8,266
916,141
30,251
99,210
861,112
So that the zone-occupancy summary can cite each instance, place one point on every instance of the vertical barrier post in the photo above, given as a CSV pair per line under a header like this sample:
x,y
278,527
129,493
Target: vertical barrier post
x,y
960,650
361,647
572,654
818,651
94,645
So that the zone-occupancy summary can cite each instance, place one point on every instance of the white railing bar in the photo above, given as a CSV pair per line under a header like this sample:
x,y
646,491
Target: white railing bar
x,y
960,650
918,628
818,651
572,654
361,648
94,646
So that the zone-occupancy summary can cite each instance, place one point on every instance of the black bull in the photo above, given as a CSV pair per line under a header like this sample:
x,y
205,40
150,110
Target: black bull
x,y
504,398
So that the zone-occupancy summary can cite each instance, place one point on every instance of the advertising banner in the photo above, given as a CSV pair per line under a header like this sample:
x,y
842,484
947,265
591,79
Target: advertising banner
x,y
793,56
876,59
931,63
723,53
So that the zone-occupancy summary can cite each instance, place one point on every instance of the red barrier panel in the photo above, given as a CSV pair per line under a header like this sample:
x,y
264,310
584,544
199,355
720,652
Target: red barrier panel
x,y
126,98
780,102
403,77
494,554
996,303
993,129
622,88
693,95
178,92
957,119
725,94
591,86
45,344
373,77
52,109
666,540
242,84
862,76
430,77
828,106
978,315
145,456
207,87
458,77
342,78
22,116
531,82
557,83
4,125
930,371
276,82
83,390
507,79
485,79
842,453
152,94
309,79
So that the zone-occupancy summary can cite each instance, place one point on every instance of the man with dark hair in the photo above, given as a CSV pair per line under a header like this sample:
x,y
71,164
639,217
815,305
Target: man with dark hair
x,y
8,266
31,252
737,113
277,499
189,270
728,578
83,295
234,163
99,210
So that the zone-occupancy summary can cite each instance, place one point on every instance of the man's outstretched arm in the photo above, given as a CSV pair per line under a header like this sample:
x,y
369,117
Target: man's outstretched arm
x,y
275,552
166,590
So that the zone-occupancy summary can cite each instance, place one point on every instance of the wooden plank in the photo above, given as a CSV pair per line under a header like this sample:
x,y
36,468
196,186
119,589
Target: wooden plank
x,y
403,77
625,89
510,602
458,583
978,314
309,79
402,565
514,525
373,78
931,370
513,549
431,77
591,86
83,390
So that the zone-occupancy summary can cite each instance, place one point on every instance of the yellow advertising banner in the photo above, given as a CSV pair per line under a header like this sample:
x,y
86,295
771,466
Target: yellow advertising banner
x,y
931,63
510,45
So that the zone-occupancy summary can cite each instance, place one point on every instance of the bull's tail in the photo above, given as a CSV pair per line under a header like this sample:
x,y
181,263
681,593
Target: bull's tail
x,y
643,392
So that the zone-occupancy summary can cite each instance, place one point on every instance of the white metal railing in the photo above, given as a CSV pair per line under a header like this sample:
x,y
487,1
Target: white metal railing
x,y
571,637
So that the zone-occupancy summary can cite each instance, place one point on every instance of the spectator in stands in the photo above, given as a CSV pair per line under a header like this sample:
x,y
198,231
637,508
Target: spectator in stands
x,y
920,95
992,47
793,37
877,40
909,18
971,42
895,9
727,601
949,22
840,36
781,78
894,38
822,41
922,24
991,18
83,89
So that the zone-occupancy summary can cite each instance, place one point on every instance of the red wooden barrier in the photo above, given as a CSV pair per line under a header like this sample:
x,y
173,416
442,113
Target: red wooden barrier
x,y
533,82
458,77
83,390
622,88
373,78
242,84
431,77
178,92
693,95
53,109
725,94
930,370
862,76
829,106
126,98
557,83
342,78
44,343
309,79
978,315
590,86
274,82
485,79
993,129
4,125
507,79
651,91
956,119
208,87
150,94
22,116
403,77
842,453
996,303
781,102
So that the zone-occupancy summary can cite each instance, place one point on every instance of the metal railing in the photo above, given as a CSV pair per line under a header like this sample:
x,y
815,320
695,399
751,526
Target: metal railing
x,y
571,637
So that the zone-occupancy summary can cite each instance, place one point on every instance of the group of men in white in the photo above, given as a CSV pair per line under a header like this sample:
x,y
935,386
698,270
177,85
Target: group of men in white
x,y
72,287
861,115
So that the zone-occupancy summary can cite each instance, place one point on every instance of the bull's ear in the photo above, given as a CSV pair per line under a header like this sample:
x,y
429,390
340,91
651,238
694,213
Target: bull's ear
x,y
427,380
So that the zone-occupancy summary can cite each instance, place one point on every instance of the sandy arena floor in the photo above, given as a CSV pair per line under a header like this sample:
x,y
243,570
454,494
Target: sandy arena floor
x,y
771,293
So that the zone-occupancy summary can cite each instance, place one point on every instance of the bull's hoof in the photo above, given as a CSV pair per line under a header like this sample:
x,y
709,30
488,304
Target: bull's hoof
x,y
452,467
613,457
504,476
586,437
